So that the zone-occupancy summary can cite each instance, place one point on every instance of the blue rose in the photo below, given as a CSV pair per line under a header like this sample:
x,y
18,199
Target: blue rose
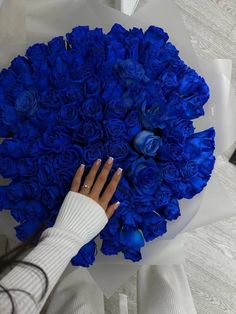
x,y
170,211
168,53
131,238
207,166
132,43
142,203
90,131
179,130
115,128
190,82
77,35
147,143
63,177
134,96
37,53
91,87
170,172
192,107
188,168
56,45
45,173
69,116
54,139
163,196
44,117
115,50
15,191
153,116
93,151
133,123
109,247
86,255
8,167
8,116
70,157
50,196
130,71
74,94
123,190
92,108
54,99
153,226
112,229
169,79
12,148
21,66
131,220
146,175
8,79
170,151
154,94
32,189
121,152
133,254
115,109
118,32
181,189
112,91
156,35
200,143
27,229
28,102
27,167
33,210
60,74
28,130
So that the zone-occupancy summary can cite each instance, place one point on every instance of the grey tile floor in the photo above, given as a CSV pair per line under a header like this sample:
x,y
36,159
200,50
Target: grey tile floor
x,y
211,250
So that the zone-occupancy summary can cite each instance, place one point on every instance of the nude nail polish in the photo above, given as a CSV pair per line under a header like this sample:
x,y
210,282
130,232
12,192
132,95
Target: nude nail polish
x,y
98,162
117,204
110,160
119,171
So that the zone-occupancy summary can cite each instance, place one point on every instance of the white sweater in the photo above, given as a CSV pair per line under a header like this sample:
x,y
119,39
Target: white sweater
x,y
80,219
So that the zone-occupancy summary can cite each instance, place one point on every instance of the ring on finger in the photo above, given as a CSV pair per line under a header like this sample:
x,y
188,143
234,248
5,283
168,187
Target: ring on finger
x,y
86,187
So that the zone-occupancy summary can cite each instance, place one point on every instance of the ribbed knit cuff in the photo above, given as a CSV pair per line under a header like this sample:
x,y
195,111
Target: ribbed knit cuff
x,y
79,220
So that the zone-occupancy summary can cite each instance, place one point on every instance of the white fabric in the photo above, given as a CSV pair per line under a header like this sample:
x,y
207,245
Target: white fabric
x,y
160,290
79,220
164,290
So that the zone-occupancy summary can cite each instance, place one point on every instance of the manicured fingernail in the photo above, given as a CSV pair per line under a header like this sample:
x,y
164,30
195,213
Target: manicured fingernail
x,y
81,167
98,162
110,160
117,204
119,171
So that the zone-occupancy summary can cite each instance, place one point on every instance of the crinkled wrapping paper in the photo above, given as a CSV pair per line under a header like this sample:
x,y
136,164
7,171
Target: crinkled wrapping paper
x,y
24,22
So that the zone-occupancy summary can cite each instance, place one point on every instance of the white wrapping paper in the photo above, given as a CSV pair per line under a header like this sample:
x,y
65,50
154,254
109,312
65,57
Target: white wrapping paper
x,y
41,20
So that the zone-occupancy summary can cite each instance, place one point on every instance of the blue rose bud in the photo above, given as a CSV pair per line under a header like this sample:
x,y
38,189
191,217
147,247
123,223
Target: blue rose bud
x,y
147,143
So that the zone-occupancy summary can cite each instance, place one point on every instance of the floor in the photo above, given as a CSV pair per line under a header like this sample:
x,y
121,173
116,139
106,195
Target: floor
x,y
211,250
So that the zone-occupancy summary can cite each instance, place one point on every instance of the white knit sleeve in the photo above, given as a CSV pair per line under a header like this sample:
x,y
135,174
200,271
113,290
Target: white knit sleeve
x,y
80,219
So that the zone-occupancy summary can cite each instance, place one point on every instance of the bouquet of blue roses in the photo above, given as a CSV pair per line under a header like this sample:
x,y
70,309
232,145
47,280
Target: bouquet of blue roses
x,y
125,94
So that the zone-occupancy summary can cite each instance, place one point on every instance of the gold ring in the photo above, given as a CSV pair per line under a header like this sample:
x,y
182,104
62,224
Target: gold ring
x,y
86,186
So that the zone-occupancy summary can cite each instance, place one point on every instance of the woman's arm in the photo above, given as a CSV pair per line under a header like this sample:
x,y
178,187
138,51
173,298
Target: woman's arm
x,y
82,216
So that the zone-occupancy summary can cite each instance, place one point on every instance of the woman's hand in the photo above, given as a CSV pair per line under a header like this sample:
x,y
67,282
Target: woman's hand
x,y
94,184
